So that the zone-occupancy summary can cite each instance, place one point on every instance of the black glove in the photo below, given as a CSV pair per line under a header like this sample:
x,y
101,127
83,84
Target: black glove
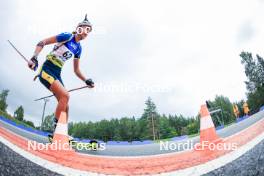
x,y
35,62
89,82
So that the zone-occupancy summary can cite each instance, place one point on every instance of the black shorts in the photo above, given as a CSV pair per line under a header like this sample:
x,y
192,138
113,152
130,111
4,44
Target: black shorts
x,y
49,73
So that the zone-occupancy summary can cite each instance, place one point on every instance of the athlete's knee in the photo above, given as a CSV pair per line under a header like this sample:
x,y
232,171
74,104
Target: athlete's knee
x,y
64,99
65,96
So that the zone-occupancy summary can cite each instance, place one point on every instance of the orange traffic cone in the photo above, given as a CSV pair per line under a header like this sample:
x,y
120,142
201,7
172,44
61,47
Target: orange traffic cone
x,y
207,128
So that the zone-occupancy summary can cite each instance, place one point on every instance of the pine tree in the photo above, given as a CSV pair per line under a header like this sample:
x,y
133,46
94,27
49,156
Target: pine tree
x,y
3,97
19,113
150,119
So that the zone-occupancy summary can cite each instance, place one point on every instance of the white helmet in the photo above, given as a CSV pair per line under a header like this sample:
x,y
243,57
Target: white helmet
x,y
85,22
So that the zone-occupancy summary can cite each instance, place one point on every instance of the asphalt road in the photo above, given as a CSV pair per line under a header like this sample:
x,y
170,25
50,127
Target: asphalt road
x,y
249,164
13,164
147,149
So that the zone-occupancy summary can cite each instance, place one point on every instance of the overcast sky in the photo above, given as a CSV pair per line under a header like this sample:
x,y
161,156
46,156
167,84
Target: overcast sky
x,y
180,53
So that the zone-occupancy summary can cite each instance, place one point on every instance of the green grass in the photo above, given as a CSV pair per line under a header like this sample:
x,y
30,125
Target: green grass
x,y
193,135
8,116
163,140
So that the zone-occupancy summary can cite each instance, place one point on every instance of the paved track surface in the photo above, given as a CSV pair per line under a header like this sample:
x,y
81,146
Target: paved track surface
x,y
249,164
12,163
147,149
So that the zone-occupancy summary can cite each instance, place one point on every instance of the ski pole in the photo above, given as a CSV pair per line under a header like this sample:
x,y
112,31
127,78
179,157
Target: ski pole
x,y
68,91
18,51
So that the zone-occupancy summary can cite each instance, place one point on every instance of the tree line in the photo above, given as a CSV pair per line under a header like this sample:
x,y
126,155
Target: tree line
x,y
150,125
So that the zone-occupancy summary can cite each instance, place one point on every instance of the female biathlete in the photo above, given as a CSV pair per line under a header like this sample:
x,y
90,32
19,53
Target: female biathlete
x,y
67,45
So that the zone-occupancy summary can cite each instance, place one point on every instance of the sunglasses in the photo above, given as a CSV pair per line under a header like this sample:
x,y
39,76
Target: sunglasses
x,y
81,29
